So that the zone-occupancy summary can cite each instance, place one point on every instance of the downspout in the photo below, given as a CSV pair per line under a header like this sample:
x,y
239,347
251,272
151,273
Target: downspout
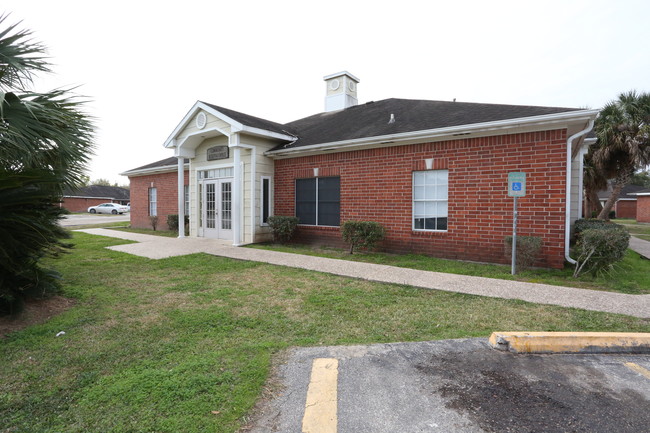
x,y
567,217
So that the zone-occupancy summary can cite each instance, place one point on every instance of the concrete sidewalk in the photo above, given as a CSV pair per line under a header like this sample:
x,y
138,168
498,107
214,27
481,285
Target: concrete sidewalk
x,y
640,246
158,247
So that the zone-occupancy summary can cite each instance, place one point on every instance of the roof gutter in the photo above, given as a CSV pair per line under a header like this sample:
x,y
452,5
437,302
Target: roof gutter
x,y
567,216
442,133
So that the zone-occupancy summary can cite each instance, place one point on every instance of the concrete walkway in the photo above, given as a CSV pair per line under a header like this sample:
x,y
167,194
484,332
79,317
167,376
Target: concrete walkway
x,y
640,246
158,247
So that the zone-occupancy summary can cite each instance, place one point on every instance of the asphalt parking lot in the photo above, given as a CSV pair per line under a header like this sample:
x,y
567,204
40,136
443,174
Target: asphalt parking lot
x,y
92,219
454,386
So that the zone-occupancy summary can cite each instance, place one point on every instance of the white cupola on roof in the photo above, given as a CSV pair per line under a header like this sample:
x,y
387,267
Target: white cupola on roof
x,y
341,91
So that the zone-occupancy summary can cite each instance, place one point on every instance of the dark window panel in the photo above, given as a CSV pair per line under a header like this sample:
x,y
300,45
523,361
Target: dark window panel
x,y
306,201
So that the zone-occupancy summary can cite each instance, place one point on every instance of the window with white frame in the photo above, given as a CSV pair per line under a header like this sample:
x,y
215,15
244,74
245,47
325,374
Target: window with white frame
x,y
153,201
430,192
186,193
266,200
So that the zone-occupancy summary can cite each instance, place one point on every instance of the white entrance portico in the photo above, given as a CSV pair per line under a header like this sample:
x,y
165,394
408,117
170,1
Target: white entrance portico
x,y
227,173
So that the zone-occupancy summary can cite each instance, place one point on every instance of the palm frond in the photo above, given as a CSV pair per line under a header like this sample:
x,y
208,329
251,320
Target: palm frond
x,y
20,56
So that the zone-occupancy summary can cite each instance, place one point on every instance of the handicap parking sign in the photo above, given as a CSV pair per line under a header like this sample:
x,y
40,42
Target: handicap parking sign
x,y
517,184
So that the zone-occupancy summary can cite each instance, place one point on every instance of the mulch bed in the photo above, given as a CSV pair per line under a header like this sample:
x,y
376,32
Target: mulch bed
x,y
36,311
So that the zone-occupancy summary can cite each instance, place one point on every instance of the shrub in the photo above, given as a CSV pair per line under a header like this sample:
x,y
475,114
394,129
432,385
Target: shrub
x,y
362,234
590,223
584,224
528,249
153,219
599,248
172,222
283,227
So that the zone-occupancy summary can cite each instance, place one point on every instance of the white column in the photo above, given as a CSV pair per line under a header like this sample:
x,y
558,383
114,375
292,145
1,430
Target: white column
x,y
236,193
181,197
253,189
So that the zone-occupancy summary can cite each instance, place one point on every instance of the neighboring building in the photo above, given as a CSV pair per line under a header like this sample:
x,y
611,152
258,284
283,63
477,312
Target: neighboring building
x,y
626,205
434,173
81,199
154,192
643,206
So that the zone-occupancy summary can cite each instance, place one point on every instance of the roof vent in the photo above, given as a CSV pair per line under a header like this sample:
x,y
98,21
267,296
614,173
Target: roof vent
x,y
392,118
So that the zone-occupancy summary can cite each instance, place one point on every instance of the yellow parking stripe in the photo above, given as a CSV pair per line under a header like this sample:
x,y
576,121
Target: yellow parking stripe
x,y
320,407
638,369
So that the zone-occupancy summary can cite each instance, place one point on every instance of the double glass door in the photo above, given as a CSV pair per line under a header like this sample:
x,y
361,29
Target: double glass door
x,y
216,209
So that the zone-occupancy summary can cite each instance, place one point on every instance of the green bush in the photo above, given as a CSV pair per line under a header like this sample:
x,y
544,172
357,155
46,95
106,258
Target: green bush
x,y
528,249
362,234
599,248
172,222
283,227
590,223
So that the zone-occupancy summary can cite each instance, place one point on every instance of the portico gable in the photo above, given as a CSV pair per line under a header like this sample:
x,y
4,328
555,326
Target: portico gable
x,y
230,178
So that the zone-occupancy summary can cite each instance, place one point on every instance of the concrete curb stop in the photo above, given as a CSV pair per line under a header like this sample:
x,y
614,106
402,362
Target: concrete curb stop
x,y
571,342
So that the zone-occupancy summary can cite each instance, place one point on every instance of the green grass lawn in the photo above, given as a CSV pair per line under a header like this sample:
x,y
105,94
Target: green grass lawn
x,y
640,230
185,344
632,275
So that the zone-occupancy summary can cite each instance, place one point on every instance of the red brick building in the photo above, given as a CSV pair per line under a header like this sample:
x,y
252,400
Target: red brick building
x,y
81,199
433,173
626,204
643,206
154,192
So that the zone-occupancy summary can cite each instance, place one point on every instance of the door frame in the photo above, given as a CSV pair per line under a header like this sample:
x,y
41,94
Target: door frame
x,y
223,191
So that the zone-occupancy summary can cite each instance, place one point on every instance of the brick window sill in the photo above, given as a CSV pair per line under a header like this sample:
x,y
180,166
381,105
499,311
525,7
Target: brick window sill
x,y
319,228
427,234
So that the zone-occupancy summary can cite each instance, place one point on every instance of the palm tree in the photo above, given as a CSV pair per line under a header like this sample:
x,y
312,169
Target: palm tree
x,y
623,146
593,180
45,143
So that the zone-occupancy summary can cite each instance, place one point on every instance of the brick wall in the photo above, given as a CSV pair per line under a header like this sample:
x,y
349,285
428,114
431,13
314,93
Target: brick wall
x,y
625,209
376,185
78,204
167,190
643,209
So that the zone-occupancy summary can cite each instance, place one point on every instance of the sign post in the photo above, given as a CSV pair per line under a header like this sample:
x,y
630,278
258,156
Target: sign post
x,y
516,189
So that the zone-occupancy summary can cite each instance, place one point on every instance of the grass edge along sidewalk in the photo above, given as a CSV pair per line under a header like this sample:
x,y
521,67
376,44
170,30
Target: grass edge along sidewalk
x,y
157,248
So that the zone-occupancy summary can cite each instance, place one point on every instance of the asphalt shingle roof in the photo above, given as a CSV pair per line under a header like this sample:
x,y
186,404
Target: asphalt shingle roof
x,y
100,191
249,120
171,161
626,192
372,119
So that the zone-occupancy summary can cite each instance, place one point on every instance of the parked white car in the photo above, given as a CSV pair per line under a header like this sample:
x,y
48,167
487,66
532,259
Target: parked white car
x,y
113,208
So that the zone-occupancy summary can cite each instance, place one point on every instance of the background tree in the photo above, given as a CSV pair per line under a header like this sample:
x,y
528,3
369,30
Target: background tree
x,y
623,145
102,182
45,143
641,178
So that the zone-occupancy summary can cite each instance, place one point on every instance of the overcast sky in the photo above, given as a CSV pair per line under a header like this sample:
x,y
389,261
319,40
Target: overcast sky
x,y
144,63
